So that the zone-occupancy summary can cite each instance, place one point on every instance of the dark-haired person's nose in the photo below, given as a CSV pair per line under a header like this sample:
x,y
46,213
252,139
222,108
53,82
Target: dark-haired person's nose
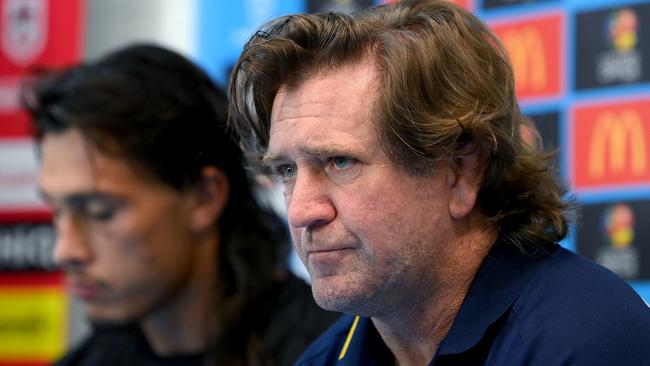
x,y
72,247
309,205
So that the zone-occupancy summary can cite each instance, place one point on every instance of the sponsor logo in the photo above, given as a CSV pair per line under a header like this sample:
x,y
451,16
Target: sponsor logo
x,y
463,4
623,62
18,175
611,144
620,256
622,27
33,317
27,247
9,94
618,225
24,30
528,57
534,52
618,145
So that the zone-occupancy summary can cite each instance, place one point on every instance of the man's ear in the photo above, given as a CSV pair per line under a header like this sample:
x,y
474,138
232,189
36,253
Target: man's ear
x,y
208,197
464,180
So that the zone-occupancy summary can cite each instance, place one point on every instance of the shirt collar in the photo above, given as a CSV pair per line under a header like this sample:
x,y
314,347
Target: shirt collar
x,y
499,281
501,278
364,345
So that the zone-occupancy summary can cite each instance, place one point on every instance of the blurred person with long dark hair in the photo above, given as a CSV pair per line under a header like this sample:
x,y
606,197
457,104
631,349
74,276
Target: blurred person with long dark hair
x,y
159,229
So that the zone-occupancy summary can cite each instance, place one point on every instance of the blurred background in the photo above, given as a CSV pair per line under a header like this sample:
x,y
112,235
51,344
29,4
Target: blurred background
x,y
582,73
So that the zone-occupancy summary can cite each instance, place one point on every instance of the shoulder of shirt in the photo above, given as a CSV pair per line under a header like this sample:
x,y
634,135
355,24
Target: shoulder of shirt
x,y
292,311
573,303
294,320
75,356
328,345
296,297
99,347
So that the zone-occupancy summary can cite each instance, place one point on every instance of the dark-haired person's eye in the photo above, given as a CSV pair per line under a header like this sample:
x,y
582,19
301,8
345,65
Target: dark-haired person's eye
x,y
101,211
98,209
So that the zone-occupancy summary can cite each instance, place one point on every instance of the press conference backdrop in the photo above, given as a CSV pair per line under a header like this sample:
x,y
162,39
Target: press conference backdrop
x,y
582,75
34,307
582,71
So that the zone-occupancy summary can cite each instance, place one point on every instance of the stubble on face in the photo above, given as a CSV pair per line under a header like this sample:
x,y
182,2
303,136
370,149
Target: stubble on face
x,y
390,225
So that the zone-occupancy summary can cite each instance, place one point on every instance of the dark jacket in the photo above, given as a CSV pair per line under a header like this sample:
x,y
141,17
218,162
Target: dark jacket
x,y
294,321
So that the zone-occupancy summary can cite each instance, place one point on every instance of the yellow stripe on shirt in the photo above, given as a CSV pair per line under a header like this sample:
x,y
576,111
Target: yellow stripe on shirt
x,y
349,338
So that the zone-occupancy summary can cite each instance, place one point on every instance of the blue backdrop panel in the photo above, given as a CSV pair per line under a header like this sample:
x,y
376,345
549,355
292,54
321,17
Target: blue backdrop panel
x,y
605,56
225,26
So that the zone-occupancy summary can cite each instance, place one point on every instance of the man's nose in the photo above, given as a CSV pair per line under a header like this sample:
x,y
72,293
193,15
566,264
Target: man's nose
x,y
309,204
72,246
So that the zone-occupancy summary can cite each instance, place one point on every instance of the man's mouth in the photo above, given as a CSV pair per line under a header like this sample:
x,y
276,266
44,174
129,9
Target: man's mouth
x,y
84,288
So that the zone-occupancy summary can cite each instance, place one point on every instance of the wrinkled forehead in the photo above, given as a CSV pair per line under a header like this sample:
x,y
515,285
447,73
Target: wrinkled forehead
x,y
353,86
325,113
366,58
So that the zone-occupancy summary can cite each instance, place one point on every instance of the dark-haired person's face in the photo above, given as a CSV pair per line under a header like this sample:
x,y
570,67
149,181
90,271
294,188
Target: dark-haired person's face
x,y
124,240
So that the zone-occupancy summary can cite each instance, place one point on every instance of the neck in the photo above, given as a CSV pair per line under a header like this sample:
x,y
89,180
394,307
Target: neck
x,y
184,324
414,332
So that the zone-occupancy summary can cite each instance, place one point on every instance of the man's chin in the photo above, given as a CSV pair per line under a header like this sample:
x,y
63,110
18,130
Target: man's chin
x,y
344,296
111,318
333,300
106,322
112,326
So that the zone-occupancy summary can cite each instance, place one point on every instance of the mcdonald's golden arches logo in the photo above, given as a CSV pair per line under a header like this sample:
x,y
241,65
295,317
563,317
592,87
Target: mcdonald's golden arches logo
x,y
611,144
528,57
535,49
618,145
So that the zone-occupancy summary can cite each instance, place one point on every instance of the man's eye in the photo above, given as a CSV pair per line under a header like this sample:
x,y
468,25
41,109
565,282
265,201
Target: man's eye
x,y
341,162
287,171
103,214
99,211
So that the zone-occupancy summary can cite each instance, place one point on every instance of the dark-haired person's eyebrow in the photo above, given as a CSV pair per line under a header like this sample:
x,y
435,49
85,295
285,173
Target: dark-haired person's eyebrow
x,y
80,199
85,203
81,196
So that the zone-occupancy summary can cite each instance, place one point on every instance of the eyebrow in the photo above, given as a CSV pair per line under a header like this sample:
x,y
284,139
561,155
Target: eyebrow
x,y
270,159
79,199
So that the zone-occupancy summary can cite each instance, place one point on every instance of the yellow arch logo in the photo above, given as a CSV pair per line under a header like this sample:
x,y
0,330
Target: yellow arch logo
x,y
528,57
623,137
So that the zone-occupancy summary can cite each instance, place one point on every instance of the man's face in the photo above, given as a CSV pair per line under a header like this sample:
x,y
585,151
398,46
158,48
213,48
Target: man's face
x,y
123,239
370,235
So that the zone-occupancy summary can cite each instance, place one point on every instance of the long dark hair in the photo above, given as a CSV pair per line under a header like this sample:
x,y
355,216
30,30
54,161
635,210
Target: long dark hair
x,y
160,112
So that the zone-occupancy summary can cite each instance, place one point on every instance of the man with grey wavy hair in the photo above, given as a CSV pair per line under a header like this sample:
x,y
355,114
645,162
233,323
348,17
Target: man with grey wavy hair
x,y
413,200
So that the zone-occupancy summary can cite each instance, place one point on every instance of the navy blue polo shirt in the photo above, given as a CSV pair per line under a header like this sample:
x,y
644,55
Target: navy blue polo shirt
x,y
555,309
